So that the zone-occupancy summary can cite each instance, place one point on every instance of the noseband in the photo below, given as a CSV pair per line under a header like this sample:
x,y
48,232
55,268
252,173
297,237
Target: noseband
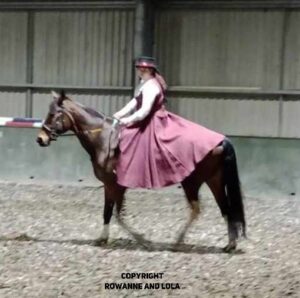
x,y
52,130
52,133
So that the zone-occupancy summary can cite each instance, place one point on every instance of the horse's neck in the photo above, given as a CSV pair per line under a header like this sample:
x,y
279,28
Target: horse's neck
x,y
92,143
84,120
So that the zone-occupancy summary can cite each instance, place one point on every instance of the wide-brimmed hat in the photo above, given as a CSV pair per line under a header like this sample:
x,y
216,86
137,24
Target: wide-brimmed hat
x,y
148,62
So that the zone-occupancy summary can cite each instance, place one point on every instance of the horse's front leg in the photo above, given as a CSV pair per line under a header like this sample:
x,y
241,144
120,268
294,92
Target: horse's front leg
x,y
107,213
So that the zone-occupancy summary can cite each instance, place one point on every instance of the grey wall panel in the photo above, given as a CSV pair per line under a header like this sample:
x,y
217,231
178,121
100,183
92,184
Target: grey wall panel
x,y
107,104
290,119
13,35
236,48
83,48
12,104
41,103
292,59
231,116
213,48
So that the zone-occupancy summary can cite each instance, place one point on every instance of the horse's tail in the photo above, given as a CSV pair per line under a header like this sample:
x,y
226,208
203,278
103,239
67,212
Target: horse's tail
x,y
235,207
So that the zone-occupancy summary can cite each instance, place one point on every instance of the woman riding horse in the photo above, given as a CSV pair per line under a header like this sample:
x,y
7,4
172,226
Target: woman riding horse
x,y
156,148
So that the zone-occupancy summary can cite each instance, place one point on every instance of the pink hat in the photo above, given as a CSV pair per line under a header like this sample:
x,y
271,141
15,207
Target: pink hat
x,y
148,62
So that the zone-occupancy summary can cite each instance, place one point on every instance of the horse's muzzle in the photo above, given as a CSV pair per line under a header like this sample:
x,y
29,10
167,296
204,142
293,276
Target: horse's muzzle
x,y
41,142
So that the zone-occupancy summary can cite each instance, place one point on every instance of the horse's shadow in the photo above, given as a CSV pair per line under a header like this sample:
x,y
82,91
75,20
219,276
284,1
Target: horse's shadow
x,y
126,244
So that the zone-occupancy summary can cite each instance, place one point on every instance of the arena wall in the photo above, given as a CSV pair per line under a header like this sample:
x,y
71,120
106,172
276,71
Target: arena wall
x,y
267,165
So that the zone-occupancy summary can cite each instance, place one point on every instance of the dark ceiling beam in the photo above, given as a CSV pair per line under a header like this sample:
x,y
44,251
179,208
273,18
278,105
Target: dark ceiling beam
x,y
228,4
65,5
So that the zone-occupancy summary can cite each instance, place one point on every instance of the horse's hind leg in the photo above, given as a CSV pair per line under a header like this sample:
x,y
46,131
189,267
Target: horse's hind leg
x,y
191,189
120,212
217,187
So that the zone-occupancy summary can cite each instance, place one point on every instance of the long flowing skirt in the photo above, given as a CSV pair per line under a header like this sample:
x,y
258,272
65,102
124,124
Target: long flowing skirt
x,y
162,151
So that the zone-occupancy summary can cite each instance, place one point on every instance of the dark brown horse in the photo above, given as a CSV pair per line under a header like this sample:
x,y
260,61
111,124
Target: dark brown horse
x,y
99,136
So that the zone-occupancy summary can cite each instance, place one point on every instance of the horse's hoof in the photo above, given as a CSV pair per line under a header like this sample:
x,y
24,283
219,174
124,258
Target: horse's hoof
x,y
142,241
177,246
229,248
147,246
139,237
100,242
180,240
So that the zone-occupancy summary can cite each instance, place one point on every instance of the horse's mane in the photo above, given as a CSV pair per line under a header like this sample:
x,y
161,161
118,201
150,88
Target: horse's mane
x,y
91,111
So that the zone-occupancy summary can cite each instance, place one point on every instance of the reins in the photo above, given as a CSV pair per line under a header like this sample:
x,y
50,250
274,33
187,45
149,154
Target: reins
x,y
95,130
78,131
83,132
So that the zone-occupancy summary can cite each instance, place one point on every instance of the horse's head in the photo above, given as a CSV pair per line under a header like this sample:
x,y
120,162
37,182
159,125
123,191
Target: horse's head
x,y
58,121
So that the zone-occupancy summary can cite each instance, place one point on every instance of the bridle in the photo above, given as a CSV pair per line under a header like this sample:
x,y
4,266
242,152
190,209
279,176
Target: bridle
x,y
53,131
56,128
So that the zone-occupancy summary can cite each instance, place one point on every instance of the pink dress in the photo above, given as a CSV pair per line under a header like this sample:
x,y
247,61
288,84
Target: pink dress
x,y
162,149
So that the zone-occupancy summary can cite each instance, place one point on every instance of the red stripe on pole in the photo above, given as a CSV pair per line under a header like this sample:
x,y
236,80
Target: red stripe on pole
x,y
18,124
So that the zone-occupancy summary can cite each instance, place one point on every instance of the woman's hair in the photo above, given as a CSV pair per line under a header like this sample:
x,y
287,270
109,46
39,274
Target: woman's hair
x,y
161,81
155,73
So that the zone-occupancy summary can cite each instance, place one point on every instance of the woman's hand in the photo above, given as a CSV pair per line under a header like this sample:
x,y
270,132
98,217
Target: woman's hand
x,y
125,121
117,116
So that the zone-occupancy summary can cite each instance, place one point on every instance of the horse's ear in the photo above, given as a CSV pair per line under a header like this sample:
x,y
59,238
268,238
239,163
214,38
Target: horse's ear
x,y
59,97
62,97
55,95
63,94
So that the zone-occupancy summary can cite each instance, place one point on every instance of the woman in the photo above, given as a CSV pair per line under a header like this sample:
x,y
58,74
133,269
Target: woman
x,y
158,148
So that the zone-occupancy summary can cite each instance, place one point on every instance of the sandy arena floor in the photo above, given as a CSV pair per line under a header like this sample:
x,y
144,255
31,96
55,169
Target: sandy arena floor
x,y
46,249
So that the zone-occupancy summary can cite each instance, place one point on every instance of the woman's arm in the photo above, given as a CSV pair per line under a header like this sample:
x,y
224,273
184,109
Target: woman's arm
x,y
150,92
129,107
